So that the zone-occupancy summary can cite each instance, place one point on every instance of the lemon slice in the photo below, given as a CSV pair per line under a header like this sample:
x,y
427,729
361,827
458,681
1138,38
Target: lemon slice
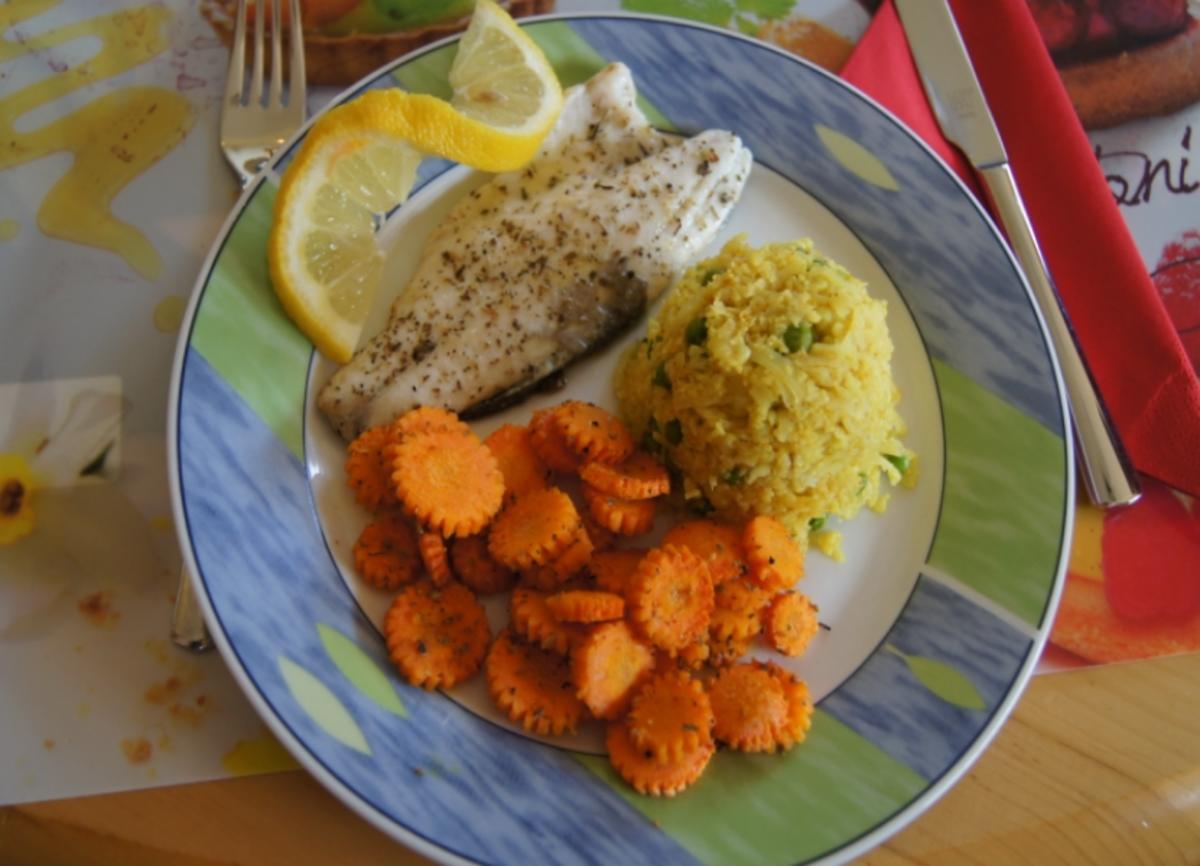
x,y
359,160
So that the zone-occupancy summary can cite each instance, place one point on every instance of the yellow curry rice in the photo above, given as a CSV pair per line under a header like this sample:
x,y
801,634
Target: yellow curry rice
x,y
765,380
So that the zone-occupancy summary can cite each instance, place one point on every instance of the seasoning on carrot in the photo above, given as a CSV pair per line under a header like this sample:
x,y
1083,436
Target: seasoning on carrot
x,y
470,560
448,480
548,442
750,708
644,773
671,716
368,469
670,597
593,433
718,544
800,707
640,476
613,568
519,463
436,636
738,609
386,553
533,621
622,516
607,666
791,623
776,560
585,606
532,686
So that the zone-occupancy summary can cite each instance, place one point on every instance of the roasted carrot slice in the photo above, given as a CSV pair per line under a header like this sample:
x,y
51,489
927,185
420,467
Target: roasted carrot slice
x,y
670,716
718,544
436,636
622,516
613,568
800,707
639,476
547,440
738,609
427,419
533,621
607,666
470,560
776,560
726,651
368,469
435,557
593,433
791,623
750,708
670,597
644,773
519,463
386,553
585,606
601,538
534,529
532,686
448,480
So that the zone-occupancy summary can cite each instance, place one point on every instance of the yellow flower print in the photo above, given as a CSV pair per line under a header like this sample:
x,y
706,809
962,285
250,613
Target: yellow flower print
x,y
16,498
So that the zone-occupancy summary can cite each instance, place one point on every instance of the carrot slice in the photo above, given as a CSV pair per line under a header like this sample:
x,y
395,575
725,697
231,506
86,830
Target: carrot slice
x,y
607,666
749,707
435,557
800,707
436,636
640,476
670,597
791,623
519,463
386,554
671,716
622,516
532,686
601,538
593,433
718,544
547,440
613,568
726,651
776,560
368,469
534,529
447,479
475,567
585,606
532,620
738,609
644,773
427,419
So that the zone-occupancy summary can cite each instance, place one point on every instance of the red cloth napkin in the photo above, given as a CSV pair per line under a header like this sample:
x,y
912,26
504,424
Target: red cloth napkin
x,y
1133,350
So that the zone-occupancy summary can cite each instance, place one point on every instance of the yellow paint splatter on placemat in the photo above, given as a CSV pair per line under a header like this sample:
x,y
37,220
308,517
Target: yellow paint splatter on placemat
x,y
262,754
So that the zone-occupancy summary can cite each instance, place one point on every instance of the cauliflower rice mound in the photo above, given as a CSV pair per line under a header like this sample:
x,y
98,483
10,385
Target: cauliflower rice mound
x,y
765,380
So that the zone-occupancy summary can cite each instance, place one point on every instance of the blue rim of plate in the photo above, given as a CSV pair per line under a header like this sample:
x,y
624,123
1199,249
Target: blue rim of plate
x,y
885,744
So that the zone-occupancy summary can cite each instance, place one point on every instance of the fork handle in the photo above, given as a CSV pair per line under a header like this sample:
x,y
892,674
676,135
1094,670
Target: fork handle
x,y
1107,471
187,618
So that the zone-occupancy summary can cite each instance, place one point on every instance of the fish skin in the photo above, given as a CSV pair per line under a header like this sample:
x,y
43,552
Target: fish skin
x,y
541,266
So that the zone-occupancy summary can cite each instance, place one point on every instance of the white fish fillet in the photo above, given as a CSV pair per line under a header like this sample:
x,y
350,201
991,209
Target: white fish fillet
x,y
538,267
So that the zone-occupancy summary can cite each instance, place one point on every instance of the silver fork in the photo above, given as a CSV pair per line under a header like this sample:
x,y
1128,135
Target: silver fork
x,y
251,131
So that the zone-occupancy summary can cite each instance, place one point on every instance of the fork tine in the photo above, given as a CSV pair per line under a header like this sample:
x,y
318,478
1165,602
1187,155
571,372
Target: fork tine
x,y
237,58
275,97
296,78
256,73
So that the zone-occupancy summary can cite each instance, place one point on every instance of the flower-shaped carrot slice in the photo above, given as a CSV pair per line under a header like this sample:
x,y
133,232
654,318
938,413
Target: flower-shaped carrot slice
x,y
533,621
791,623
738,611
534,529
519,463
644,773
607,666
776,560
670,597
670,716
436,636
727,650
386,553
622,516
640,476
369,470
448,480
718,544
614,568
750,708
532,686
547,440
585,606
800,707
470,560
593,433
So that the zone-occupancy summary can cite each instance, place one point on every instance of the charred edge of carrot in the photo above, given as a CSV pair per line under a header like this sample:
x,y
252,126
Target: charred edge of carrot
x,y
436,636
593,433
386,554
639,476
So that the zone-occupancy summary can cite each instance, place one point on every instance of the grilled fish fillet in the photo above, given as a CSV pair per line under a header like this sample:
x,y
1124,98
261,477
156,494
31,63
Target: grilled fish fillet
x,y
540,266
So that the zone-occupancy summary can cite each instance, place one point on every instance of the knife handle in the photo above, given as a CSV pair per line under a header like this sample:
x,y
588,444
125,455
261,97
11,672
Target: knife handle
x,y
1107,472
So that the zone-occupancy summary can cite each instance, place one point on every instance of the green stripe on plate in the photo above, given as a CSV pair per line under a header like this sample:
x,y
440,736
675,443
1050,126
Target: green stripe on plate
x,y
1002,516
573,59
241,329
780,809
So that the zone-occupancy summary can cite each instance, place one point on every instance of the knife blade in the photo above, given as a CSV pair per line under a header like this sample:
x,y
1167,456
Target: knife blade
x,y
962,113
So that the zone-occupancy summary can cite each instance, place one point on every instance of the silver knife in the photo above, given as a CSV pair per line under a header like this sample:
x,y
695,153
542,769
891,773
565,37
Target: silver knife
x,y
962,113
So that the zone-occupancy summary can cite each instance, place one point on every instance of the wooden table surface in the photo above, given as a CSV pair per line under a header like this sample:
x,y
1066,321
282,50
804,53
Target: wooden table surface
x,y
1096,766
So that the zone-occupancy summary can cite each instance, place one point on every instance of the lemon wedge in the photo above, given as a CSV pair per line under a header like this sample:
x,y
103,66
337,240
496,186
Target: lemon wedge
x,y
359,161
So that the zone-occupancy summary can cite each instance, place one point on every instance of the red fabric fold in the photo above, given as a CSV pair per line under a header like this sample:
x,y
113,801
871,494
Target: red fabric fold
x,y
1135,355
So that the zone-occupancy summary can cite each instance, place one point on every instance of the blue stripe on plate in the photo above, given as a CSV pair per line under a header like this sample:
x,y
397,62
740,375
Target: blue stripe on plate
x,y
442,773
912,697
